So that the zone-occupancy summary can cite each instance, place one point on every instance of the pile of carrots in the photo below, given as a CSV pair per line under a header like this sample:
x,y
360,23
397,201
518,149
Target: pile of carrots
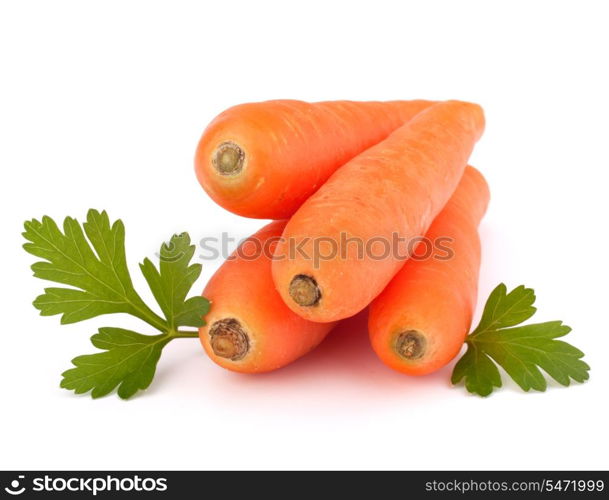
x,y
366,171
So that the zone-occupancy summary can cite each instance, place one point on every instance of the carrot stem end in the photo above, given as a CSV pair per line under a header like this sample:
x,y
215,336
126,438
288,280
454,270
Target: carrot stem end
x,y
229,339
304,290
411,345
228,159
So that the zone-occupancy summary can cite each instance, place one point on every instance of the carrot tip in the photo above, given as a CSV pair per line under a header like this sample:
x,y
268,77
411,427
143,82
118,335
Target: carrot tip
x,y
229,339
411,344
228,159
304,290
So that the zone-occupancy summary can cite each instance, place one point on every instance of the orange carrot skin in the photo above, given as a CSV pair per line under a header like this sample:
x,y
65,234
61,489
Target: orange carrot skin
x,y
434,296
291,148
396,187
242,288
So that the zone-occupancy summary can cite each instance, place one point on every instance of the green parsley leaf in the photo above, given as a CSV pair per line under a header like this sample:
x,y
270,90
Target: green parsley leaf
x,y
91,260
521,351
173,281
96,268
129,361
503,309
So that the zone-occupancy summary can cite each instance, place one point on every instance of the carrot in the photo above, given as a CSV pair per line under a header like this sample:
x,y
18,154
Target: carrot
x,y
249,329
383,198
420,321
265,159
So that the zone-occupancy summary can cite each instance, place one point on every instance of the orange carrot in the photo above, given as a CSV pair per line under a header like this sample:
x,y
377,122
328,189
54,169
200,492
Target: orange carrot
x,y
249,329
388,194
264,159
420,321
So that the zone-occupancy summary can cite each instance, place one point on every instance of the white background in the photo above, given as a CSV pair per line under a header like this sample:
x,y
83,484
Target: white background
x,y
102,104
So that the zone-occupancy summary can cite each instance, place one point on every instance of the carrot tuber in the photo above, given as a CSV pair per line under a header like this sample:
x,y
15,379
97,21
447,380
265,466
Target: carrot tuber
x,y
264,159
249,328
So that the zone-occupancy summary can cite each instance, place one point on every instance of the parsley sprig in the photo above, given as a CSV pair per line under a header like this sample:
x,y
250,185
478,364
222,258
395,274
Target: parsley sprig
x,y
520,350
91,260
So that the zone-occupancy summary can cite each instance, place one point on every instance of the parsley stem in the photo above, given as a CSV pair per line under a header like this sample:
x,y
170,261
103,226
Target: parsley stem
x,y
185,334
